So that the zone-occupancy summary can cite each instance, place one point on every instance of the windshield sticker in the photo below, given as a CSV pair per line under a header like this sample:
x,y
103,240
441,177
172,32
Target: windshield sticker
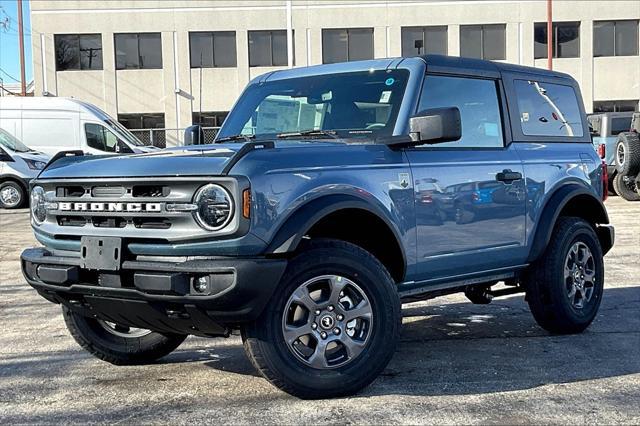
x,y
327,96
390,81
385,96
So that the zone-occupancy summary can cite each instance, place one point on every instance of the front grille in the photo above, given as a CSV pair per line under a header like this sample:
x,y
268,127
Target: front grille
x,y
135,209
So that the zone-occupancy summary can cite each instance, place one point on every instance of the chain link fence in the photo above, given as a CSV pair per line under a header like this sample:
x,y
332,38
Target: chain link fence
x,y
163,138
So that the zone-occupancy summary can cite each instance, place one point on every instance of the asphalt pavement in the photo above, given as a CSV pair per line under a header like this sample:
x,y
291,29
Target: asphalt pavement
x,y
457,362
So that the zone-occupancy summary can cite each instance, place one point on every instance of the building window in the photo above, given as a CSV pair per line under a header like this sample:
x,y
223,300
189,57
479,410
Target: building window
x,y
78,52
213,49
142,121
268,48
615,38
615,106
138,51
341,45
209,119
483,41
548,109
565,38
424,40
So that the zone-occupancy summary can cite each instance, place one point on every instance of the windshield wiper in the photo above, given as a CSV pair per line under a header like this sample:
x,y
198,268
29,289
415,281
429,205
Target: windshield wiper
x,y
246,138
331,133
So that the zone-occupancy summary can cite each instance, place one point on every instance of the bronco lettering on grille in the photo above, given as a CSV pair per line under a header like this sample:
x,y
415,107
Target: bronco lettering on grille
x,y
111,207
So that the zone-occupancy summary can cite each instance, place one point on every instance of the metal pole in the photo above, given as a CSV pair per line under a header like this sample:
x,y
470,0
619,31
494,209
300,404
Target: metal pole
x,y
23,83
289,35
549,35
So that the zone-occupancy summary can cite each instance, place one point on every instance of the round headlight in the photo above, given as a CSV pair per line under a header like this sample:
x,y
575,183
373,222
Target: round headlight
x,y
215,207
38,201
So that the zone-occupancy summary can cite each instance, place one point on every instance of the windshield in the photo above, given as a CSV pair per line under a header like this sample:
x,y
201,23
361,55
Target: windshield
x,y
10,142
124,132
354,105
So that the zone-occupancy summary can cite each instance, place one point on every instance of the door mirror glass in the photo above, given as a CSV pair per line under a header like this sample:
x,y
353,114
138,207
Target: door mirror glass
x,y
194,135
436,125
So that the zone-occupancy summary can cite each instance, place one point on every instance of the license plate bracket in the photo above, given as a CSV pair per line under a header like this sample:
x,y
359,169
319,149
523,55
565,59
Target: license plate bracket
x,y
101,253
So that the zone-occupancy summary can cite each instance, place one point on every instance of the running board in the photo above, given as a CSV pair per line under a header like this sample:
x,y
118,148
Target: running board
x,y
428,288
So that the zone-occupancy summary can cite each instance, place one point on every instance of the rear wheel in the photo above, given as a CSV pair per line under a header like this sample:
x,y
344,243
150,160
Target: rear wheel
x,y
332,326
564,287
117,344
12,196
625,187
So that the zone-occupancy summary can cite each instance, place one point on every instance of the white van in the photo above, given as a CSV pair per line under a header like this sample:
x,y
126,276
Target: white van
x,y
51,125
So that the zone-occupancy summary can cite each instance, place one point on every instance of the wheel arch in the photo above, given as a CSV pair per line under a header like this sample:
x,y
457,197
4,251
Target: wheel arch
x,y
344,217
570,200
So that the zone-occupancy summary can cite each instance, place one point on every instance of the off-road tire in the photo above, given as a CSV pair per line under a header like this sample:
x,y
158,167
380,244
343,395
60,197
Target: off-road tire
x,y
626,187
545,285
631,144
22,196
115,349
265,345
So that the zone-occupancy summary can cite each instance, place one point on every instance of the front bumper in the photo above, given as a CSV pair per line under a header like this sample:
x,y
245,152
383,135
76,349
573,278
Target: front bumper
x,y
159,295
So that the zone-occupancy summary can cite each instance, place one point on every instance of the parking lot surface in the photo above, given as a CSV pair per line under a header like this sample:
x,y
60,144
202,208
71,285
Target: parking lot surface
x,y
457,362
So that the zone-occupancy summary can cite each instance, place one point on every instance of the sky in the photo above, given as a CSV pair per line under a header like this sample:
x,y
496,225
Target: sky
x,y
9,51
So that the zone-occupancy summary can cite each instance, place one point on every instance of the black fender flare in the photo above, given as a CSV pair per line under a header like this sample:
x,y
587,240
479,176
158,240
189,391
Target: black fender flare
x,y
555,205
289,235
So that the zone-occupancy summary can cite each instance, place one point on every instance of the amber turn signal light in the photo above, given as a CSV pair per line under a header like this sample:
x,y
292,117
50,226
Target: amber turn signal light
x,y
246,203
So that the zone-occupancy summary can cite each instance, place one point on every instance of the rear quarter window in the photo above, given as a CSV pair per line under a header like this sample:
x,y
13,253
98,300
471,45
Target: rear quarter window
x,y
548,109
619,125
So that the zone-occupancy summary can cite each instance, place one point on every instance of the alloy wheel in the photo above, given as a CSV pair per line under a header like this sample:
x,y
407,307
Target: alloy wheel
x,y
327,321
579,275
10,196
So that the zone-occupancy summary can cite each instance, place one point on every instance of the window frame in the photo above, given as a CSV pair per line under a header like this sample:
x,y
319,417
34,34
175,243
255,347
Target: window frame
x,y
509,78
501,95
615,25
554,40
270,32
373,47
482,36
424,38
212,35
77,36
115,50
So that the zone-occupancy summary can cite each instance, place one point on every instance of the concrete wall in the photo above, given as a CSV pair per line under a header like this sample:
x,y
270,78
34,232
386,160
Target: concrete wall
x,y
175,90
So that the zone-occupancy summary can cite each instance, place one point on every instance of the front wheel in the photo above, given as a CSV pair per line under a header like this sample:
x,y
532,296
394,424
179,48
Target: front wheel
x,y
331,327
12,196
117,344
564,287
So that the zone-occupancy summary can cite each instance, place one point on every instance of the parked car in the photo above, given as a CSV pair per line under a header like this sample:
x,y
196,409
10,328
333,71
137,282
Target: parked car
x,y
627,162
605,128
308,221
52,125
18,165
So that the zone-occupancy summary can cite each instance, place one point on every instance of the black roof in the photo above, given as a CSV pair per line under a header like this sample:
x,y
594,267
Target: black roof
x,y
471,64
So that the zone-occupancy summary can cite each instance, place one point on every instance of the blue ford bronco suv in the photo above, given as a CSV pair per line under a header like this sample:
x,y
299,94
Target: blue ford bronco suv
x,y
331,194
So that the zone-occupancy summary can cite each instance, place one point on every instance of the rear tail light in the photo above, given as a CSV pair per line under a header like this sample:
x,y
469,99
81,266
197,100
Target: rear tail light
x,y
605,181
602,150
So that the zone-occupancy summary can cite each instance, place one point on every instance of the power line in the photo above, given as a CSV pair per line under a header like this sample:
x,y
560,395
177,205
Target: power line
x,y
9,75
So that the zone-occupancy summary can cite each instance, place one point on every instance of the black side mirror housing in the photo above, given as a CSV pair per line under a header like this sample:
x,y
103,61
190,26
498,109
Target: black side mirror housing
x,y
437,125
194,135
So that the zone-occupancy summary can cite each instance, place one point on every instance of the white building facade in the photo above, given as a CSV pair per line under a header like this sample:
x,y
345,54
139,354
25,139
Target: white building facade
x,y
171,63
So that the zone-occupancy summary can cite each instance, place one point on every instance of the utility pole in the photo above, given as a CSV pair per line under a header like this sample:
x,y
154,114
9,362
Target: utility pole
x,y
549,35
23,83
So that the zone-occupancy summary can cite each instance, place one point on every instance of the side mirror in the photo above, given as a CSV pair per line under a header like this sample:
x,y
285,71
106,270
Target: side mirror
x,y
194,135
435,125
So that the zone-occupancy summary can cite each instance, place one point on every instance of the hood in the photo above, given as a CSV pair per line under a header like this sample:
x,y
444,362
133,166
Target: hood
x,y
184,161
33,155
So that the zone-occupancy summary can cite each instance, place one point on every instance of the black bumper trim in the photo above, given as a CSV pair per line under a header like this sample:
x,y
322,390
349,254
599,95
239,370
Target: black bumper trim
x,y
239,296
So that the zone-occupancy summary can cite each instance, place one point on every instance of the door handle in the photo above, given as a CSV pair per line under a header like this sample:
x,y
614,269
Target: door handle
x,y
508,176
